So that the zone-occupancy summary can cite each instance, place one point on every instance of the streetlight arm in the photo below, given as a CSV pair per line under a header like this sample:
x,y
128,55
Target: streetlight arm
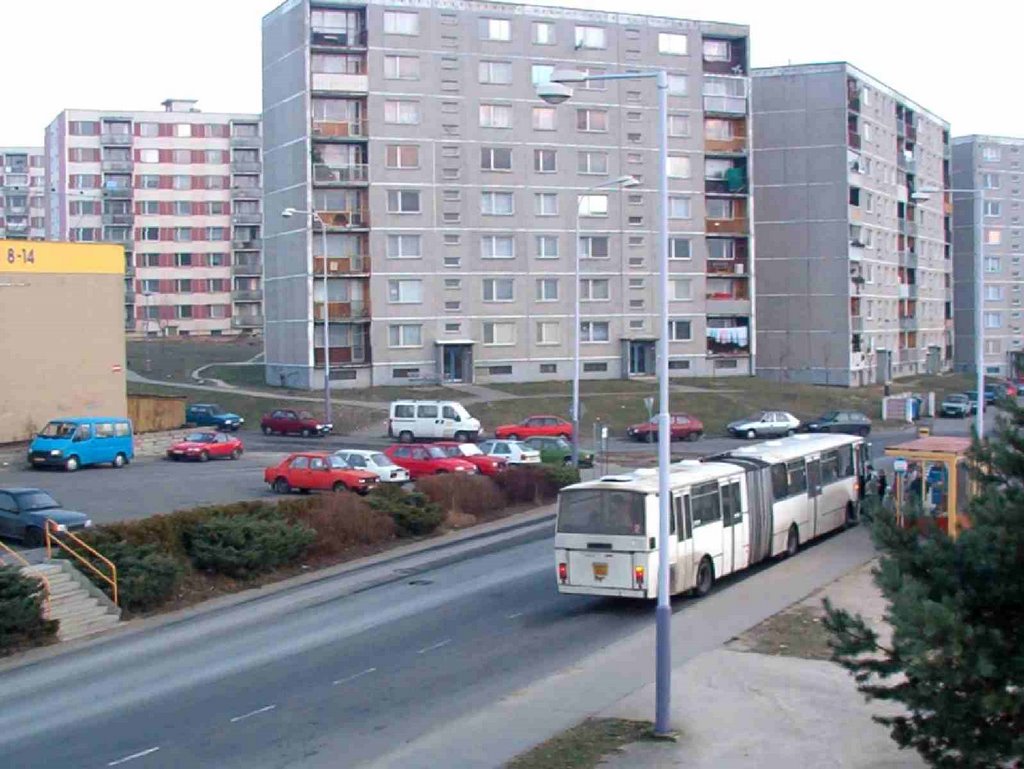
x,y
575,76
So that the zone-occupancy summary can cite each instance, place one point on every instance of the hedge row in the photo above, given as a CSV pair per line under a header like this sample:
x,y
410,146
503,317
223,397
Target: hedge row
x,y
21,612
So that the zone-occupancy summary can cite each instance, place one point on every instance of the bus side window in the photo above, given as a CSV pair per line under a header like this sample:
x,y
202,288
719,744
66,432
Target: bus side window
x,y
687,518
729,505
672,526
706,504
780,482
797,476
737,502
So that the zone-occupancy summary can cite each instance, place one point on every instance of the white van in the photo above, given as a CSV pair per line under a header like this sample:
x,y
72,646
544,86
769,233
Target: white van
x,y
433,420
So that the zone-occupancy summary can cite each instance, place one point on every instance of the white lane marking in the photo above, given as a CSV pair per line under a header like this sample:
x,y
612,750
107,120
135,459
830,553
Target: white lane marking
x,y
354,677
253,713
133,756
445,642
517,614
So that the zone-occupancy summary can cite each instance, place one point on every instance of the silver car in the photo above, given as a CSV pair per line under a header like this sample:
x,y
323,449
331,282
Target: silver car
x,y
374,462
765,424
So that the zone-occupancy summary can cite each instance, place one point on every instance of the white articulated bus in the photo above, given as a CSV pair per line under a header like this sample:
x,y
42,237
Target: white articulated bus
x,y
730,511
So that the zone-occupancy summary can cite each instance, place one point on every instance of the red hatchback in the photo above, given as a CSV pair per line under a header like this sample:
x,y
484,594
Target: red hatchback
x,y
207,445
684,428
285,421
485,463
531,426
427,459
316,470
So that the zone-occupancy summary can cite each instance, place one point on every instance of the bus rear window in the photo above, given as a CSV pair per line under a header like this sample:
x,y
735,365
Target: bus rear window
x,y
600,511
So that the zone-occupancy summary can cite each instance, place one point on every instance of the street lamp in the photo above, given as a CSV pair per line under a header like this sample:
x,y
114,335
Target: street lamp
x,y
622,182
979,286
145,329
557,92
313,215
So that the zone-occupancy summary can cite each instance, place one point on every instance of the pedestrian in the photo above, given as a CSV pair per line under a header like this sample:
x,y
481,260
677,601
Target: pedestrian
x,y
882,484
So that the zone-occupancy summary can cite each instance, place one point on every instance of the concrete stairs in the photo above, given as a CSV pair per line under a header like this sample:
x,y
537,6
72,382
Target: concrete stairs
x,y
81,608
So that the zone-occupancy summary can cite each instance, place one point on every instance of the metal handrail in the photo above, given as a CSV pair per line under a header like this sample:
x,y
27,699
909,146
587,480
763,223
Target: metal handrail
x,y
51,538
42,578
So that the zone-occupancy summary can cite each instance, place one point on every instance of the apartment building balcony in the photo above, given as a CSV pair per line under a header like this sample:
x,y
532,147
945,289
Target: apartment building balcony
x,y
734,226
244,142
349,38
725,105
857,324
856,251
853,98
730,56
728,336
340,82
249,244
15,210
129,269
726,267
853,139
913,290
246,193
732,182
345,175
246,166
127,241
908,322
16,227
247,320
246,269
909,258
129,297
118,193
247,218
123,220
903,291
340,356
340,130
247,295
115,140
341,310
117,166
355,219
342,265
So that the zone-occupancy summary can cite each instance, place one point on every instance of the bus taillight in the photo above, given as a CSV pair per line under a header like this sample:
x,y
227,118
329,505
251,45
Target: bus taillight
x,y
638,575
563,572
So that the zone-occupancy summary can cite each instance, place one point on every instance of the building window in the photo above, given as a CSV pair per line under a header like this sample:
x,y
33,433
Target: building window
x,y
495,72
544,161
717,50
595,290
543,33
403,201
679,166
547,332
496,203
679,248
594,331
499,334
402,156
545,203
990,181
680,330
589,162
993,320
499,290
544,118
593,120
679,207
721,248
495,159
496,29
593,205
497,246
401,23
495,116
719,208
993,237
672,44
405,335
993,264
678,85
404,246
993,208
184,311
594,247
547,246
405,291
993,293
590,37
547,289
682,289
541,73
402,67
679,125
398,112
991,154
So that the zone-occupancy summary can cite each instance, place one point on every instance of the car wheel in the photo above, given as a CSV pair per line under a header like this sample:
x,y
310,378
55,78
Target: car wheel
x,y
305,432
71,464
33,537
696,435
120,460
339,486
405,437
204,456
751,434
851,515
267,430
705,578
236,453
281,486
792,542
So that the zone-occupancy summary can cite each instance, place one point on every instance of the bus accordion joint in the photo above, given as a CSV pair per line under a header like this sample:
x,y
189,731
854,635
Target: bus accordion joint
x,y
563,572
638,576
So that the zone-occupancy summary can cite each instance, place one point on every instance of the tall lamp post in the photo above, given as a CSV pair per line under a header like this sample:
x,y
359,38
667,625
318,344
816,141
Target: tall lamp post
x,y
622,182
979,286
556,92
314,216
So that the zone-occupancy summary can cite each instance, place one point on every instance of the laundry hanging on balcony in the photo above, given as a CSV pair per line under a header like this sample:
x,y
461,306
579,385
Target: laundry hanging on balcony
x,y
736,335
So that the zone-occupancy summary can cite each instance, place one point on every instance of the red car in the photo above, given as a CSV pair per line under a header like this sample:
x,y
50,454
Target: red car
x,y
206,445
285,421
317,470
684,428
427,459
531,426
485,463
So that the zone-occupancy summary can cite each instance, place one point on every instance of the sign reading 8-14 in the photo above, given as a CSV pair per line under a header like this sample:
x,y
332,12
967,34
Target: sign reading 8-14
x,y
38,256
21,255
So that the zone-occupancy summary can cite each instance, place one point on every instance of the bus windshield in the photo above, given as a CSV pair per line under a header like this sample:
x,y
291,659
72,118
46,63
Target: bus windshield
x,y
601,511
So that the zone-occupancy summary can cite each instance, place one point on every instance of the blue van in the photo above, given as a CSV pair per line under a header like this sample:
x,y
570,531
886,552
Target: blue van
x,y
81,441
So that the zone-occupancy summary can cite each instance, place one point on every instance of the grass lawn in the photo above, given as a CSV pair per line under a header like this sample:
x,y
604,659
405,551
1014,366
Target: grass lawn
x,y
345,418
583,746
174,360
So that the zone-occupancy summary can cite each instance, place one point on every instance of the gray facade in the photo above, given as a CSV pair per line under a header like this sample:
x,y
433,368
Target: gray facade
x,y
853,275
993,164
449,193
22,194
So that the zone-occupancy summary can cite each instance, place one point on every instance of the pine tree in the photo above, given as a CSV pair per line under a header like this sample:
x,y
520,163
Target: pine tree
x,y
956,659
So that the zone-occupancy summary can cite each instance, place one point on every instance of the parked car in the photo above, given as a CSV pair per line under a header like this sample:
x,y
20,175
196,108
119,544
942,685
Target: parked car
x,y
24,512
957,405
82,441
990,397
513,452
532,426
289,421
684,428
764,424
557,451
433,420
485,465
852,422
374,462
1005,389
307,471
204,446
427,460
212,415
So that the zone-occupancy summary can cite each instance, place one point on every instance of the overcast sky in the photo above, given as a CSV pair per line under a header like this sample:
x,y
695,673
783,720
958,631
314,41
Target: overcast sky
x,y
132,54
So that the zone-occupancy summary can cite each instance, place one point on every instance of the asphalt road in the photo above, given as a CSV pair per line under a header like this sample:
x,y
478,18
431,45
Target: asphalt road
x,y
340,671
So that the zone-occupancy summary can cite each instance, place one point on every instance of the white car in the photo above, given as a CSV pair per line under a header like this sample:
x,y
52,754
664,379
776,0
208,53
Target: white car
x,y
374,462
513,452
431,420
765,424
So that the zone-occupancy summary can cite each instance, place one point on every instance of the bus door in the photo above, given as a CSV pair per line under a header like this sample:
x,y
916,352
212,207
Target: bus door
x,y
734,535
814,495
682,542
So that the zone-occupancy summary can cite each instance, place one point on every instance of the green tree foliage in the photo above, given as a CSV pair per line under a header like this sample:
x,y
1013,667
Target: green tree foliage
x,y
956,659
21,611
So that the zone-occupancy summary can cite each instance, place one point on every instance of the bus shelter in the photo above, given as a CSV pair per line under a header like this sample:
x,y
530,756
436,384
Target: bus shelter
x,y
933,478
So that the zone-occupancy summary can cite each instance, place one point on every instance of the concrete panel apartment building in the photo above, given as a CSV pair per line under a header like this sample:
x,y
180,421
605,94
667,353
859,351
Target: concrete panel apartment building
x,y
22,194
412,132
181,190
992,164
854,264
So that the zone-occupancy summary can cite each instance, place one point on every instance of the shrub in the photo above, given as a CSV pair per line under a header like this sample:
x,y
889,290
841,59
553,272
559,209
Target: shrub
x,y
534,485
146,577
413,513
561,476
458,493
21,611
245,545
342,521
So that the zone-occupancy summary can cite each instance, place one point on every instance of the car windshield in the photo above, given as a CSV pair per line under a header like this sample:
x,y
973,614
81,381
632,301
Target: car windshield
x,y
381,460
216,410
436,452
37,500
831,416
557,443
469,450
58,430
957,398
338,463
601,511
200,438
755,417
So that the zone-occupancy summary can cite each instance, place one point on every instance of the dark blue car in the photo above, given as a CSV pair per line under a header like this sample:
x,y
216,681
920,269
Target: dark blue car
x,y
24,512
212,415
